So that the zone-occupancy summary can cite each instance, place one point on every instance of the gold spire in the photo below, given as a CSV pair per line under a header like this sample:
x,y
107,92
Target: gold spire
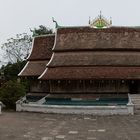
x,y
100,22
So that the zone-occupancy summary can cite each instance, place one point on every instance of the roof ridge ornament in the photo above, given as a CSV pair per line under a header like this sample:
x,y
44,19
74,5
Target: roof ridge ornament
x,y
100,22
56,24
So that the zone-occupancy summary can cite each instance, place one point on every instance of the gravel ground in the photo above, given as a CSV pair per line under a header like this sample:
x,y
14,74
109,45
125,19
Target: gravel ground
x,y
38,126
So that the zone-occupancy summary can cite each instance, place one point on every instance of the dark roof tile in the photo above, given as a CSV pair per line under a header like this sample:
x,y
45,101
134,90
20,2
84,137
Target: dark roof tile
x,y
33,68
89,73
95,58
42,47
85,38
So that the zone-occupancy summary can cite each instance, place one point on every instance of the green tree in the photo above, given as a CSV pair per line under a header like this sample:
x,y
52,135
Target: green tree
x,y
10,92
11,71
42,30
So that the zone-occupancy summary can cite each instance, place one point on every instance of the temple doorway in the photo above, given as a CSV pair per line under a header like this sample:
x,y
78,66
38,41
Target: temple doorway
x,y
133,87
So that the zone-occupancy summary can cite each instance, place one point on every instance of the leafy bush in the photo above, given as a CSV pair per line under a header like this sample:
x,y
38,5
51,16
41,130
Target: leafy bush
x,y
12,70
10,92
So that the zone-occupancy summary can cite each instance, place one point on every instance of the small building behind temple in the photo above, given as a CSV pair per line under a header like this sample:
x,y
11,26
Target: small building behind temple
x,y
90,69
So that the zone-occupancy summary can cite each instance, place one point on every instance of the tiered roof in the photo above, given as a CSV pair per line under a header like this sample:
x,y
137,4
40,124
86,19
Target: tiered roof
x,y
89,53
86,38
86,73
39,57
42,48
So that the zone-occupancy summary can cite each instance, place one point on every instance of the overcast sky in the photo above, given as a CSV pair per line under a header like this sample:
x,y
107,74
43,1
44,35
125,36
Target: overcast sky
x,y
17,16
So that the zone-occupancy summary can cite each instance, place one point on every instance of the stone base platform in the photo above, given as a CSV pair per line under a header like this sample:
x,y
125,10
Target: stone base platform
x,y
65,109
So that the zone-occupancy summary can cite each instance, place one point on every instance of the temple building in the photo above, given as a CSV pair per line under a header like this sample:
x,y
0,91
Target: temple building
x,y
36,63
91,66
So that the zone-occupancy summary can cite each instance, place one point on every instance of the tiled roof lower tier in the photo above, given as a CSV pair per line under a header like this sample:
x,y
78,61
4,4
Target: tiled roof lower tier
x,y
33,68
96,58
85,73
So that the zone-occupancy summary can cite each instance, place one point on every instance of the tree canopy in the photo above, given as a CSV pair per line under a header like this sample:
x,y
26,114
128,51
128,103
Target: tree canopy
x,y
11,71
18,48
42,30
10,92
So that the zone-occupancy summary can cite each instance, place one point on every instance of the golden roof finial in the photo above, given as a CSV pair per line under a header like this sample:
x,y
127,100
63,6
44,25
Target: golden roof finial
x,y
100,22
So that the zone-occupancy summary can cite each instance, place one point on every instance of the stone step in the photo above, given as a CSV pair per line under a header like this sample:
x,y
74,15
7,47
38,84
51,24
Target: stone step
x,y
135,100
137,105
135,96
137,112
